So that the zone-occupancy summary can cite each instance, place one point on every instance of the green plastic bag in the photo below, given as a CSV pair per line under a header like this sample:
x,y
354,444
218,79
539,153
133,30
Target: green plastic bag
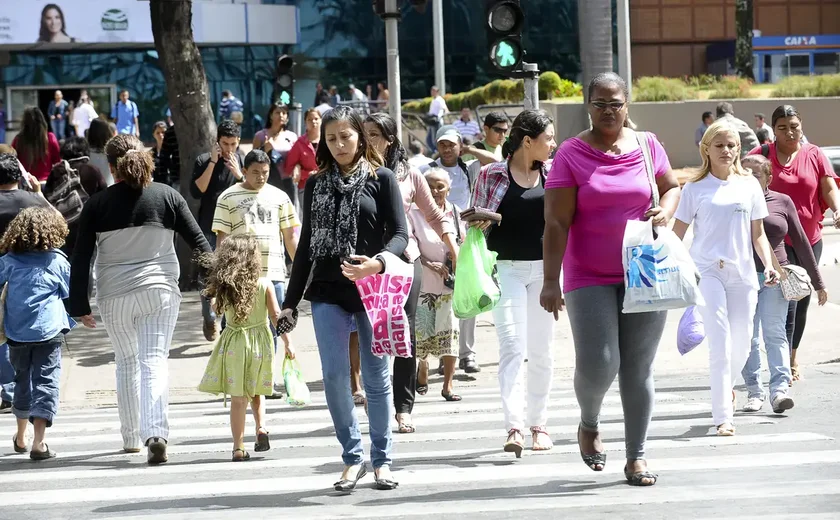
x,y
476,281
297,393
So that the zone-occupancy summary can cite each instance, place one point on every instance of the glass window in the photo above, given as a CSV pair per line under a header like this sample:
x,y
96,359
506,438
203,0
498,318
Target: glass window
x,y
826,63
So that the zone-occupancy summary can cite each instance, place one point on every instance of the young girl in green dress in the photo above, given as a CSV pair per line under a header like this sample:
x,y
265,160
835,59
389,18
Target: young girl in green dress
x,y
242,360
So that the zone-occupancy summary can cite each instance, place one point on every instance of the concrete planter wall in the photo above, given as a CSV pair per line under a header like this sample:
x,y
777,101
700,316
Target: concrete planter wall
x,y
675,123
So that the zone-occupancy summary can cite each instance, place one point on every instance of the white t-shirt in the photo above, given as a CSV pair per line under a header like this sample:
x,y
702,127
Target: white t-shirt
x,y
722,212
438,107
82,117
459,192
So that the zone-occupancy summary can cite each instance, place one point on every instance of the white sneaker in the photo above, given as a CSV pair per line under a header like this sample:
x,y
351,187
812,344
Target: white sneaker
x,y
782,402
754,404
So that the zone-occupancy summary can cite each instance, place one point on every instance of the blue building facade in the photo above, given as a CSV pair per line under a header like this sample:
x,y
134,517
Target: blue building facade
x,y
340,42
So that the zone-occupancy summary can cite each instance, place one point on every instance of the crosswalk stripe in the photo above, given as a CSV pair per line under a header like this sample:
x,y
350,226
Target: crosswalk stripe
x,y
465,414
448,475
191,446
474,454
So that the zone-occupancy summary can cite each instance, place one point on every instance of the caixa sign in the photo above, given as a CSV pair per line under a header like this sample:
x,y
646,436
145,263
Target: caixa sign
x,y
795,41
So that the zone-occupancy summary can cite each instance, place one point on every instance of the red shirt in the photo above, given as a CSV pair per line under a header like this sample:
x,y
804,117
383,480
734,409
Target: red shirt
x,y
41,169
303,153
800,180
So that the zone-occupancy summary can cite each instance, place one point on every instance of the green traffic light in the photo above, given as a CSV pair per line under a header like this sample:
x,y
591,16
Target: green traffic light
x,y
506,54
285,98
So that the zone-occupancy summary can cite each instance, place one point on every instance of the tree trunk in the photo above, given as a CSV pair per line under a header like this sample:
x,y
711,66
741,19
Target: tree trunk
x,y
596,39
187,91
743,39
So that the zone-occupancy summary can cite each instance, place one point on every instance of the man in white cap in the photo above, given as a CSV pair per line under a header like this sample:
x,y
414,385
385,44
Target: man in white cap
x,y
462,176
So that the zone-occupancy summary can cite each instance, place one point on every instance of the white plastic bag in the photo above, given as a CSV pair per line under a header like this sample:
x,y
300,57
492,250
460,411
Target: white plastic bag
x,y
659,274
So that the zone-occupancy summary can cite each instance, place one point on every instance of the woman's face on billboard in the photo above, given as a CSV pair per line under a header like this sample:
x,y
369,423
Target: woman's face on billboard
x,y
53,22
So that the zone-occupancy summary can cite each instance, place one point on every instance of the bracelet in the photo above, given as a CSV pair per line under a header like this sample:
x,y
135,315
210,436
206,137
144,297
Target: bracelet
x,y
212,162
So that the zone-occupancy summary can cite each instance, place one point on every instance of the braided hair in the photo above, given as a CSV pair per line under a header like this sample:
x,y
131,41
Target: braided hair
x,y
529,123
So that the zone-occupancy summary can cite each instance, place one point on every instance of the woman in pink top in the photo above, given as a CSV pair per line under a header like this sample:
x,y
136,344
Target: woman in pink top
x,y
803,173
598,181
382,132
437,332
300,163
37,148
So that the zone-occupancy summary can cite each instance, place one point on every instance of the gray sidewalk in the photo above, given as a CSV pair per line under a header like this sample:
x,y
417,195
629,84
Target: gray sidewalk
x,y
88,377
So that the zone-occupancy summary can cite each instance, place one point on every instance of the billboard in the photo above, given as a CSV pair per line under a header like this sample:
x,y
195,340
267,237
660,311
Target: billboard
x,y
73,21
61,24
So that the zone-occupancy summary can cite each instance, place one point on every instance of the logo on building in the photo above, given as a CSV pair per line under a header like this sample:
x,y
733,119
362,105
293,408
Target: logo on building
x,y
114,20
801,40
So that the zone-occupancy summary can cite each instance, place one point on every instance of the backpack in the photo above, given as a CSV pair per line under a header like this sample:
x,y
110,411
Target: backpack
x,y
64,191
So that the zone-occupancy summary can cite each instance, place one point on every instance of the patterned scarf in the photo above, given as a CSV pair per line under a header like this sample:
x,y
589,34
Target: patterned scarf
x,y
402,171
334,233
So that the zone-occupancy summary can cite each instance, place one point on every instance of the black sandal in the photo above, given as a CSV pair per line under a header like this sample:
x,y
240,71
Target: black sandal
x,y
592,460
638,478
42,455
422,389
245,455
404,427
18,449
262,443
350,484
451,396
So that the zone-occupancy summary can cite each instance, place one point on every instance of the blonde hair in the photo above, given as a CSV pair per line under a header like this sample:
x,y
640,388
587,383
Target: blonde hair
x,y
719,127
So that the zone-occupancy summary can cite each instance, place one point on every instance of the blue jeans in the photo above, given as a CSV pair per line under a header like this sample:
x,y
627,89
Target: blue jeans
x,y
207,311
37,378
770,317
332,332
59,126
7,375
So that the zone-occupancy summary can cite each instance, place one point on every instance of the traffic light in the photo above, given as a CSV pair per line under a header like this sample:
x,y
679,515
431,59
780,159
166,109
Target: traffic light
x,y
284,79
504,33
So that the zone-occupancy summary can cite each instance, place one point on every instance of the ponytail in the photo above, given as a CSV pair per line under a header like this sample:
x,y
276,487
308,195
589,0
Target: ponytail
x,y
135,169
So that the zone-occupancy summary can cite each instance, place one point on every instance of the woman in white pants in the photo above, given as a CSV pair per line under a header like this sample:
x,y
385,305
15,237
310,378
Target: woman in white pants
x,y
132,226
727,207
516,189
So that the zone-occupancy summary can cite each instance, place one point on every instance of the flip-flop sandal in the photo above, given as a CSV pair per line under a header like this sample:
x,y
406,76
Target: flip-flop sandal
x,y
536,445
42,455
242,458
18,449
726,430
638,478
262,443
594,459
404,427
422,389
451,396
359,399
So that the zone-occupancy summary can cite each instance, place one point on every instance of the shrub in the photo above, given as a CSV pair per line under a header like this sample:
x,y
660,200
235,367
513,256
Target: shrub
x,y
808,86
732,87
549,83
497,91
569,89
656,88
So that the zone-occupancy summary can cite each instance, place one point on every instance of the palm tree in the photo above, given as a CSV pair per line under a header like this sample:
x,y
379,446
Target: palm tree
x,y
743,38
596,38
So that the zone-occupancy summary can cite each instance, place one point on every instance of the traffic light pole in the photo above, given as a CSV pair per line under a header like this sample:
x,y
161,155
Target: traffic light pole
x,y
392,19
532,90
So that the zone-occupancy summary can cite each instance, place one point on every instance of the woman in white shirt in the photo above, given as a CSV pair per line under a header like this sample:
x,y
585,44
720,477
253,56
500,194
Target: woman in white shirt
x,y
726,205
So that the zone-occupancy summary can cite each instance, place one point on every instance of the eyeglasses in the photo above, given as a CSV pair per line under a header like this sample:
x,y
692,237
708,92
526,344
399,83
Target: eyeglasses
x,y
615,105
499,130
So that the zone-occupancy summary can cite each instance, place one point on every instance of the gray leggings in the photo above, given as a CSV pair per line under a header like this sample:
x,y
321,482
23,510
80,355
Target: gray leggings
x,y
607,343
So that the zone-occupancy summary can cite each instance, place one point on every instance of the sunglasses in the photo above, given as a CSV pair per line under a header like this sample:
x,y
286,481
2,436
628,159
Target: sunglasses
x,y
499,130
615,105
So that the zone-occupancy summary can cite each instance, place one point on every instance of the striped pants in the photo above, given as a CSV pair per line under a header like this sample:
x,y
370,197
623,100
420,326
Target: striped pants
x,y
140,325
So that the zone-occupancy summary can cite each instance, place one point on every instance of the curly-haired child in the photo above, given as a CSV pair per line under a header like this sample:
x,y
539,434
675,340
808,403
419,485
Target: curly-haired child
x,y
241,364
37,275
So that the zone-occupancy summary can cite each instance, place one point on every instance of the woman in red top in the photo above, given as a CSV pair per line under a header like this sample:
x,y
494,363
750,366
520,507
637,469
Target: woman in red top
x,y
37,148
300,162
804,173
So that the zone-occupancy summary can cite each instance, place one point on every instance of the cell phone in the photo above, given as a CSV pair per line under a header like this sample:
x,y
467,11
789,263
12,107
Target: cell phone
x,y
350,261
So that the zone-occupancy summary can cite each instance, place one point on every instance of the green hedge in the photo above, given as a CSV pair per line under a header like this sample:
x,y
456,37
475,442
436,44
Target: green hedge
x,y
809,86
657,88
732,87
501,91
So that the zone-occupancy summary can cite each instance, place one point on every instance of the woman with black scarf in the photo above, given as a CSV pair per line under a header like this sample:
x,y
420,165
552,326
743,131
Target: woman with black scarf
x,y
352,212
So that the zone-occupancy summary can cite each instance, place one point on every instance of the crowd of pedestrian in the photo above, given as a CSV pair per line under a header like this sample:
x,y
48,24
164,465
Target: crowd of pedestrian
x,y
306,217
